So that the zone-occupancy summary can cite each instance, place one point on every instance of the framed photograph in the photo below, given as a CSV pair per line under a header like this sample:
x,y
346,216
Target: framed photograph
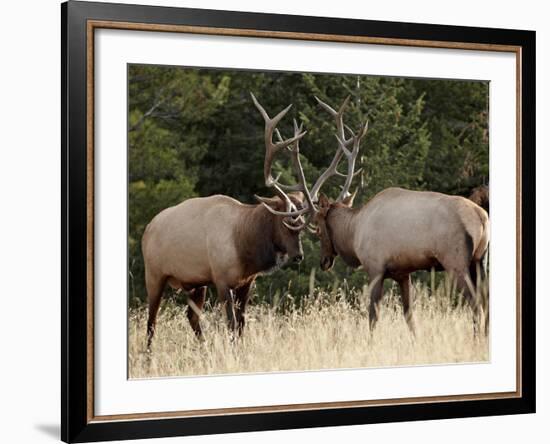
x,y
275,221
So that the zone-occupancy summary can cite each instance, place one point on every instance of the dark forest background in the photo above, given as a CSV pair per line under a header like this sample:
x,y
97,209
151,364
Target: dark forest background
x,y
195,132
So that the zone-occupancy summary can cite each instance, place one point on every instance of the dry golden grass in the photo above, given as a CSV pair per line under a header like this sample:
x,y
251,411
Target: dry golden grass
x,y
325,332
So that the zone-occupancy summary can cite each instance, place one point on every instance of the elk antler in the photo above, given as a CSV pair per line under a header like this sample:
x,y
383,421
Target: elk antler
x,y
271,182
293,147
343,145
340,128
351,156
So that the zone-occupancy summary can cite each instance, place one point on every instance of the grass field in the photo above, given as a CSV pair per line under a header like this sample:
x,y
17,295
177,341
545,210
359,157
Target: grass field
x,y
324,331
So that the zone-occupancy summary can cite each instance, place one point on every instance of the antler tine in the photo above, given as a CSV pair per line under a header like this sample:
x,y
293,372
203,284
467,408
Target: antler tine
x,y
291,213
297,129
295,227
338,115
338,173
365,129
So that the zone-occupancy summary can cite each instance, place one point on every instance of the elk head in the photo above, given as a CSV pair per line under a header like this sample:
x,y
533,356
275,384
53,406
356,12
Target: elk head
x,y
284,236
322,230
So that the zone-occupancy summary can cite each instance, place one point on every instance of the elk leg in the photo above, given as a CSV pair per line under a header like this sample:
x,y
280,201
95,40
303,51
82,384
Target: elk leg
x,y
377,288
481,287
465,284
226,296
155,286
406,298
196,299
242,300
485,289
230,310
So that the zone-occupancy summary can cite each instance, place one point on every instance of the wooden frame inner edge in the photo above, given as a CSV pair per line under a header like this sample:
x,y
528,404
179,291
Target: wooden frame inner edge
x,y
90,28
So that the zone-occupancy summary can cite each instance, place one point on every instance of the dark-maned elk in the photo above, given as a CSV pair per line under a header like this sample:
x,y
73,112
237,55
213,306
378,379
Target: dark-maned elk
x,y
218,240
398,231
480,196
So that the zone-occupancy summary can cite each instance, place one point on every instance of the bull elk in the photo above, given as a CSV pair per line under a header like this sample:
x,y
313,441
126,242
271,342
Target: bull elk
x,y
398,231
221,241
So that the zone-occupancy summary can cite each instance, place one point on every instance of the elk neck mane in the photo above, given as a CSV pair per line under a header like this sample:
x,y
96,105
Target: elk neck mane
x,y
341,224
254,240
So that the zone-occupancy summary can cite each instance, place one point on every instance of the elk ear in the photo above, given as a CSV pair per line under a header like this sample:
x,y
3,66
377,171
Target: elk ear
x,y
348,200
298,195
324,203
273,202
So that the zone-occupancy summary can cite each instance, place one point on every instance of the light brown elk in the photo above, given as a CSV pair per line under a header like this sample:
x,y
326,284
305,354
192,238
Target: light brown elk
x,y
218,240
399,231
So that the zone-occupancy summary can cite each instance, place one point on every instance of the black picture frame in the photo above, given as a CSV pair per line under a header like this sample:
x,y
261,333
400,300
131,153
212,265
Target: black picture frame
x,y
76,423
